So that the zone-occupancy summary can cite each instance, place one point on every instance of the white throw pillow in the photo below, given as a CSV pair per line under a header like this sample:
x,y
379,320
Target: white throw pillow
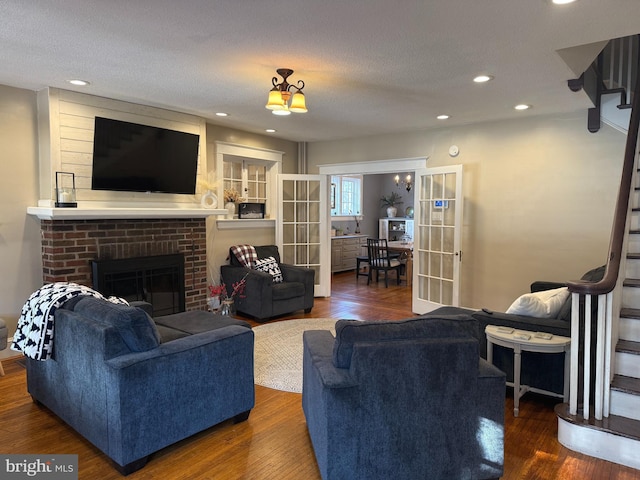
x,y
269,265
545,304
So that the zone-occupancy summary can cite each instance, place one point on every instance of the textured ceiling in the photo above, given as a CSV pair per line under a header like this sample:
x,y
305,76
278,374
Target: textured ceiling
x,y
370,66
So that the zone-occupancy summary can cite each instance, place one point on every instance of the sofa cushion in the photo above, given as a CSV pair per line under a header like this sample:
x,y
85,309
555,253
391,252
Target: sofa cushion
x,y
349,332
193,322
287,290
544,304
269,265
135,327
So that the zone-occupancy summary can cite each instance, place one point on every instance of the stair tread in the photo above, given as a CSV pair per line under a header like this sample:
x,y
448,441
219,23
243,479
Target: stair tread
x,y
614,424
626,384
631,282
630,313
627,346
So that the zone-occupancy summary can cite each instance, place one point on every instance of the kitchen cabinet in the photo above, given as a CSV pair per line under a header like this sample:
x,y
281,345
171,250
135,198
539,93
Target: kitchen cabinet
x,y
345,249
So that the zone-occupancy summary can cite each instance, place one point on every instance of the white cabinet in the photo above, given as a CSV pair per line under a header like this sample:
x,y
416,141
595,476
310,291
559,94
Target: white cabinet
x,y
395,228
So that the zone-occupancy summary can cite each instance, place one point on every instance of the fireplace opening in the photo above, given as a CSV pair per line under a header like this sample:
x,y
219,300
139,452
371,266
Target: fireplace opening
x,y
158,280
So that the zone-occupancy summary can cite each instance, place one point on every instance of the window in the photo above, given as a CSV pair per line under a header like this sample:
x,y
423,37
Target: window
x,y
346,195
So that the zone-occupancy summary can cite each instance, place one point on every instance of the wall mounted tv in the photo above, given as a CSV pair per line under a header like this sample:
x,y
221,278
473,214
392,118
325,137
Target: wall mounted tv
x,y
139,158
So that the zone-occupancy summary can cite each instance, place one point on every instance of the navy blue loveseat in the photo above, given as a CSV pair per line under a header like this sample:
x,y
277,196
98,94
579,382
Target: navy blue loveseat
x,y
403,400
130,395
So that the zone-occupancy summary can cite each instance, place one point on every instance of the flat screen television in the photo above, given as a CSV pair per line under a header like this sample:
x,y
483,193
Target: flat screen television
x,y
140,158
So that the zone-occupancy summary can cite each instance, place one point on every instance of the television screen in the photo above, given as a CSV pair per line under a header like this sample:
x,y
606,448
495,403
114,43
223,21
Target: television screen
x,y
139,158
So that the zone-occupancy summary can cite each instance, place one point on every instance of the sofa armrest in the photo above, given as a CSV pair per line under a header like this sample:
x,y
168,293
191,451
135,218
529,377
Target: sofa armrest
x,y
256,281
522,322
318,349
294,273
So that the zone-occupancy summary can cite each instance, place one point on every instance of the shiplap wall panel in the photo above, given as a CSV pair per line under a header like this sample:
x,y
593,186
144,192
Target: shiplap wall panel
x,y
70,125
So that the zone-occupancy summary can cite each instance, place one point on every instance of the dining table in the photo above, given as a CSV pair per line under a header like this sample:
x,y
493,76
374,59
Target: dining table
x,y
405,249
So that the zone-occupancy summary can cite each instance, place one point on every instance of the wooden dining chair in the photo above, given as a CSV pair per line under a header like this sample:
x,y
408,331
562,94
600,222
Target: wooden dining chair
x,y
379,259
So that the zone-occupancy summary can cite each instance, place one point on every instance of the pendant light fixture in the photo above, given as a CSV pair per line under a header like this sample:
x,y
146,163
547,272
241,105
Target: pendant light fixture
x,y
280,95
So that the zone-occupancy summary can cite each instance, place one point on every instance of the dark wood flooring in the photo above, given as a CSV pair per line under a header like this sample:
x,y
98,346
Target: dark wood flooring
x,y
273,444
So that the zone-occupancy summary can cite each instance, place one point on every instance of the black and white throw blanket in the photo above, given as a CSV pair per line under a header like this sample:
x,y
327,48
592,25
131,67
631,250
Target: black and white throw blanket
x,y
34,335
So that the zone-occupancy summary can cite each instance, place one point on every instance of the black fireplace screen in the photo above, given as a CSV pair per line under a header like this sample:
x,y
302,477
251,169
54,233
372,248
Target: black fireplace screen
x,y
158,280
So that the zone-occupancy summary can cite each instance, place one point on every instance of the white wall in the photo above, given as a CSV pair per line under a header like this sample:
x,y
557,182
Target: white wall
x,y
20,257
539,196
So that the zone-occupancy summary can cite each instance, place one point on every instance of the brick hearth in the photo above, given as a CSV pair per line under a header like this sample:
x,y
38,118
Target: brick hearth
x,y
68,246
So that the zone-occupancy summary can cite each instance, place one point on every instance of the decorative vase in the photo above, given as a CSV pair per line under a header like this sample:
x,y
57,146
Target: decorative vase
x,y
227,308
209,200
231,209
213,303
391,212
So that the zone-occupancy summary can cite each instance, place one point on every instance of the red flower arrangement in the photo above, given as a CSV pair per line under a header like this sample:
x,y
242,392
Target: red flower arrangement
x,y
221,290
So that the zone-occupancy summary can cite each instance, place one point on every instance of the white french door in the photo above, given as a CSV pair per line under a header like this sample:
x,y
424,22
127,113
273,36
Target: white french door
x,y
302,228
438,205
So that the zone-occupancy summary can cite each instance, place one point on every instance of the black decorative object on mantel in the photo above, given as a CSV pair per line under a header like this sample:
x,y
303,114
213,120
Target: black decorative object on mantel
x,y
65,194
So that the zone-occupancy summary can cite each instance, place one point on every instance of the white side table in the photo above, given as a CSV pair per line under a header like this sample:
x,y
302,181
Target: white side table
x,y
525,341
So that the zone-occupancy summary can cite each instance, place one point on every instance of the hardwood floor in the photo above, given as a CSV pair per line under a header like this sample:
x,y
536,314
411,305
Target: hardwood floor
x,y
273,444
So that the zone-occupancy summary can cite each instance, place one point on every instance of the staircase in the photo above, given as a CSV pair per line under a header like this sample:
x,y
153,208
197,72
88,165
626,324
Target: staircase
x,y
602,418
625,386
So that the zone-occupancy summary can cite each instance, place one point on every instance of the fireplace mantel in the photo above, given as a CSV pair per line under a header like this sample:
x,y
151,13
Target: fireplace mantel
x,y
99,213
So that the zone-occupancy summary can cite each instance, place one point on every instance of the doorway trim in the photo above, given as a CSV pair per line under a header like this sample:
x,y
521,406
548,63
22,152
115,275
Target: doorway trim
x,y
373,167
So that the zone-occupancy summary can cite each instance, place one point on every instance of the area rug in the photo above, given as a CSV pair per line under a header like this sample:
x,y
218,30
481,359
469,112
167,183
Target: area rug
x,y
278,352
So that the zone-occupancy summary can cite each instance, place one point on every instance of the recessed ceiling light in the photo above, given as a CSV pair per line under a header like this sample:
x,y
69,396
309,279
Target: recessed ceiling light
x,y
221,114
483,78
522,106
442,117
270,130
562,2
78,82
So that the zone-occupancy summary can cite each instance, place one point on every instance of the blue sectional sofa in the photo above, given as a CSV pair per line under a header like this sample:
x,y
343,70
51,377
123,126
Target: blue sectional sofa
x,y
403,400
117,383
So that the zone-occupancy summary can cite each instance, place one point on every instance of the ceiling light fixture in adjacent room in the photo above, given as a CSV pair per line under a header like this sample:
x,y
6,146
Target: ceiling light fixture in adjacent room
x,y
270,130
522,106
221,114
78,82
443,117
280,95
562,2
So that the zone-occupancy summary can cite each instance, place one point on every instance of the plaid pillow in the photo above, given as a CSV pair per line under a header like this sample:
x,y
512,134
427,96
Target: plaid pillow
x,y
246,254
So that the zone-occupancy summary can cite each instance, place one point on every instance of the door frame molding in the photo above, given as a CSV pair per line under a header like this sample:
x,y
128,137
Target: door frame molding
x,y
371,168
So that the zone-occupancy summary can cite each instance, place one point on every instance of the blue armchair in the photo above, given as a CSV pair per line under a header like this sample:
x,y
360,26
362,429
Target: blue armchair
x,y
403,400
130,395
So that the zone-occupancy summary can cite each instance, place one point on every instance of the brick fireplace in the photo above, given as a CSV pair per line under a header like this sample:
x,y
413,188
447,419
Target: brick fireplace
x,y
69,246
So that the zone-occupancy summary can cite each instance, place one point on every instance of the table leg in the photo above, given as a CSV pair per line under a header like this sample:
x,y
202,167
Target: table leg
x,y
517,361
